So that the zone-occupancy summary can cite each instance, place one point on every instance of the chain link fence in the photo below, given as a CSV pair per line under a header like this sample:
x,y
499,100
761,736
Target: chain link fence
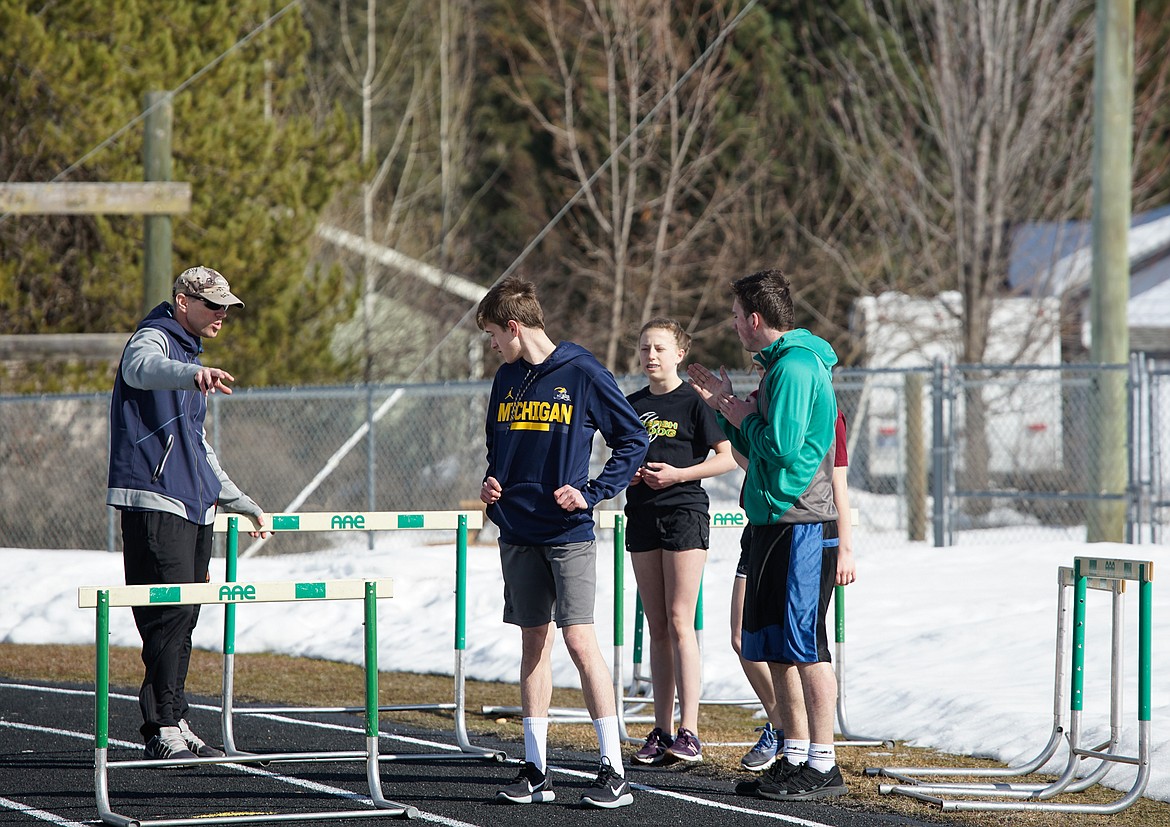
x,y
935,453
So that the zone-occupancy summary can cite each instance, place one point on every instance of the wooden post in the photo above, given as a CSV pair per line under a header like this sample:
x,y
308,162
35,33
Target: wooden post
x,y
1109,294
157,236
156,198
916,467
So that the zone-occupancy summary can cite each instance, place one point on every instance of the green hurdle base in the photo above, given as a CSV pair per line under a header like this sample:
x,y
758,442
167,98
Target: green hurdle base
x,y
915,775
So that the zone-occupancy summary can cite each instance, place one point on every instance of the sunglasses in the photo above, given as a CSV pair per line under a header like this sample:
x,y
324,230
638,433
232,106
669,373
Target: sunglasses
x,y
210,305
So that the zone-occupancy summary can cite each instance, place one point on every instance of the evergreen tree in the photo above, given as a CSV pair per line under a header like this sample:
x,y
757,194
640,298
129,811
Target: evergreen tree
x,y
261,166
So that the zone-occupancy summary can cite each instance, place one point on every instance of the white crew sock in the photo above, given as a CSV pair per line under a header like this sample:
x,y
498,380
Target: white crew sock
x,y
795,751
536,742
822,757
610,741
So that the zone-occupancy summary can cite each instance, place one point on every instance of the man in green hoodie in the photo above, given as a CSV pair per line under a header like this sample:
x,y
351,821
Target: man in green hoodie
x,y
787,436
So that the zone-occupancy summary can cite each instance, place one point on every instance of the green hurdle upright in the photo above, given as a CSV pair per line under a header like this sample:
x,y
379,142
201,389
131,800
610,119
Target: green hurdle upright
x,y
461,521
848,738
102,598
1084,571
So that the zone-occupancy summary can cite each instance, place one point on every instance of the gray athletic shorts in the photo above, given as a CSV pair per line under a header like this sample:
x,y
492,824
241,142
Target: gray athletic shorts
x,y
546,583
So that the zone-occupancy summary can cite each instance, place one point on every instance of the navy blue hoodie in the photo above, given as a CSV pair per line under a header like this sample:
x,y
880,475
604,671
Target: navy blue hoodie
x,y
159,456
540,425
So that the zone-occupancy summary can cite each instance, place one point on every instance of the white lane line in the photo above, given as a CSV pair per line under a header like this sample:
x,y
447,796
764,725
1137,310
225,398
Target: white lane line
x,y
9,804
691,799
719,805
285,779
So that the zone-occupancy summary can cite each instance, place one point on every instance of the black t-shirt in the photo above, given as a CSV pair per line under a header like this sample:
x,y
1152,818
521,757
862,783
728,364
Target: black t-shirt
x,y
682,429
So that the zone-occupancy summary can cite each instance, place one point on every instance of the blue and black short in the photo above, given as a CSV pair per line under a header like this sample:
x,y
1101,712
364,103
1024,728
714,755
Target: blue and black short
x,y
792,570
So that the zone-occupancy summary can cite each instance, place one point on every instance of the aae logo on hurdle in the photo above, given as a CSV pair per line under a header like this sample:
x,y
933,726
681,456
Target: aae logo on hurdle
x,y
728,518
348,521
229,593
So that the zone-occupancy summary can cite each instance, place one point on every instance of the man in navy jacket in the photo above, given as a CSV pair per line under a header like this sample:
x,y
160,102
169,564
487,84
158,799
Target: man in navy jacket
x,y
546,403
166,482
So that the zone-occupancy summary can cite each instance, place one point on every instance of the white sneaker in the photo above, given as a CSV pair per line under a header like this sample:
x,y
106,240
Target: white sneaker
x,y
196,744
168,745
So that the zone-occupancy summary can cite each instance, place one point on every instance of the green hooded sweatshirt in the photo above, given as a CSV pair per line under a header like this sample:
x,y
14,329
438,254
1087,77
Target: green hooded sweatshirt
x,y
787,440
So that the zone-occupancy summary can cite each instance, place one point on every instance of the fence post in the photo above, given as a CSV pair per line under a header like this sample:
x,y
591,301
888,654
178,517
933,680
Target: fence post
x,y
371,460
939,452
916,474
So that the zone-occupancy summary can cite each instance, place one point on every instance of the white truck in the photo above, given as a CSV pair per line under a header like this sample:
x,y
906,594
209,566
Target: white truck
x,y
1023,406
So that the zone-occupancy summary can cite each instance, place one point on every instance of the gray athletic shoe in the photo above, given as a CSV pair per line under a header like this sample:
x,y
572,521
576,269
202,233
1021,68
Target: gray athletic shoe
x,y
763,754
196,744
168,745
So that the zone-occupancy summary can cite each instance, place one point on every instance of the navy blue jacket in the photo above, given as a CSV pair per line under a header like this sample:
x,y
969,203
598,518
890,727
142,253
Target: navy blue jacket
x,y
540,425
159,457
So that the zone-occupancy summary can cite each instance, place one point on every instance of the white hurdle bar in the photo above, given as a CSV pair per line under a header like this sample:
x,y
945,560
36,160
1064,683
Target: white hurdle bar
x,y
102,598
322,521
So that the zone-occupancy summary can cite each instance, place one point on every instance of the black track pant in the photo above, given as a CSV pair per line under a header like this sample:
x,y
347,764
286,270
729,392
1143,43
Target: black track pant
x,y
164,548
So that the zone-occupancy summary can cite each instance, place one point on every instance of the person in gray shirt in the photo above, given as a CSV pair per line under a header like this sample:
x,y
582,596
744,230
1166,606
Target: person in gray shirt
x,y
166,482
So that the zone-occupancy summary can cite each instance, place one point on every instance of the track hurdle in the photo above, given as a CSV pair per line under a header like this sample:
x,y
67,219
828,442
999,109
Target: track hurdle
x,y
102,598
725,518
1087,573
366,521
1065,583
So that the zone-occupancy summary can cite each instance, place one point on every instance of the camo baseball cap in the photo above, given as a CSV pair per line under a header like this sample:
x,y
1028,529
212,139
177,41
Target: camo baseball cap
x,y
206,283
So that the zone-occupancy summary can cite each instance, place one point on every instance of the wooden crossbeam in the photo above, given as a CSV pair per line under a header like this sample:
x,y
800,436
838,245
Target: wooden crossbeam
x,y
134,198
28,346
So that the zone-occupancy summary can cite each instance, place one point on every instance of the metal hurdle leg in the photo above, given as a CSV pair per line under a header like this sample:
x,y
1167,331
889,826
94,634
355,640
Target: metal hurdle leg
x,y
1085,568
371,521
915,775
848,739
203,593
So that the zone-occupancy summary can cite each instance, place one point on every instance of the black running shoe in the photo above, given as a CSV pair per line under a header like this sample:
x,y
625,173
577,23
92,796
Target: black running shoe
x,y
775,776
531,786
609,790
804,784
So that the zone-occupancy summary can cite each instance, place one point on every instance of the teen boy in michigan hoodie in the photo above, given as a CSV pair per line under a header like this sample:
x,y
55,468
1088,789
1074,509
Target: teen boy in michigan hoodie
x,y
540,425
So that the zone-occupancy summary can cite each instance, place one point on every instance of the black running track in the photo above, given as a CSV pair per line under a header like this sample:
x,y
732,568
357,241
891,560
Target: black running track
x,y
47,775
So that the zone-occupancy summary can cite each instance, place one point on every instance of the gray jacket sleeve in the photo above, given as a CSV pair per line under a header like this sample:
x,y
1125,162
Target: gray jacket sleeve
x,y
147,366
231,498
